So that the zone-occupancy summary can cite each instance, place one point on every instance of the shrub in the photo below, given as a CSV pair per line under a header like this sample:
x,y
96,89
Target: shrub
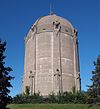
x,y
66,97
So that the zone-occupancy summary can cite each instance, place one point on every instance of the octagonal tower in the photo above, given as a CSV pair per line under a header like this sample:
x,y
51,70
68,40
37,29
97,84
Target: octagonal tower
x,y
51,56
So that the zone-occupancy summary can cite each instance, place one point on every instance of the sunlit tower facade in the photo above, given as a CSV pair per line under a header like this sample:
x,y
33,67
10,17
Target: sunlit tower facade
x,y
51,61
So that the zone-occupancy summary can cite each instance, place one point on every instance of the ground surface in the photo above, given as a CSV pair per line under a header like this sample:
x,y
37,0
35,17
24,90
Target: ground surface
x,y
51,106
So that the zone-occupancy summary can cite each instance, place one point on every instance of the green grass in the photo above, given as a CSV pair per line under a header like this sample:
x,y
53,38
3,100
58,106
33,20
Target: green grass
x,y
51,106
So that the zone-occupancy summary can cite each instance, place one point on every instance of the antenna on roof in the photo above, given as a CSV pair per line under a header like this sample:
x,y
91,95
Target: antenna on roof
x,y
51,9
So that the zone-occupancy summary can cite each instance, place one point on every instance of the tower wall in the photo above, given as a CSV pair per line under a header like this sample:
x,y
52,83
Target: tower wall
x,y
51,54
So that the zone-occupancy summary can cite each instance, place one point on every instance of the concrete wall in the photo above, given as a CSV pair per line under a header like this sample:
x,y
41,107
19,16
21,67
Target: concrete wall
x,y
42,56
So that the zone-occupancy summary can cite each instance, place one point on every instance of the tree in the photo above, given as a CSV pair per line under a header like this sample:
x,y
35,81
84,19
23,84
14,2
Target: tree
x,y
94,89
4,78
27,91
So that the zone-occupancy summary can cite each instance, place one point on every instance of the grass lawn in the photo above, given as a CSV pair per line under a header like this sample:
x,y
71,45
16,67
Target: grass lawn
x,y
51,106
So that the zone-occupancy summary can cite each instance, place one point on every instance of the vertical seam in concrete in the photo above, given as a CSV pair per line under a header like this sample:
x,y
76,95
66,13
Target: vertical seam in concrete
x,y
52,60
74,45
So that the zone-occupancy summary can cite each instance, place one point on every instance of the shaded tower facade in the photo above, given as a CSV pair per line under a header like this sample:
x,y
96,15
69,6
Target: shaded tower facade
x,y
51,61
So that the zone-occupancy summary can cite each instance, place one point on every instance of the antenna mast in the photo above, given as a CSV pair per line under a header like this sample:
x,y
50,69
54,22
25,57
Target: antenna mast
x,y
51,9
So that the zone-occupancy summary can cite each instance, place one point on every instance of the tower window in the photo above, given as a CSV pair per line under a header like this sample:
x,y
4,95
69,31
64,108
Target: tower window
x,y
43,29
66,30
56,24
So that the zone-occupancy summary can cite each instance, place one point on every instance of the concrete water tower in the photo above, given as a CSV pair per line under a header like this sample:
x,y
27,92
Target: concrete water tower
x,y
51,56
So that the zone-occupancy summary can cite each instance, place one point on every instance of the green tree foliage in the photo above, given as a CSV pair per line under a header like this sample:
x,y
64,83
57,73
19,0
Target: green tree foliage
x,y
94,89
21,99
4,78
69,97
52,98
66,97
73,89
27,91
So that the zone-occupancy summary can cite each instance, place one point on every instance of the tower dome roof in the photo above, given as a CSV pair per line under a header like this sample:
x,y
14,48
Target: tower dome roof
x,y
52,18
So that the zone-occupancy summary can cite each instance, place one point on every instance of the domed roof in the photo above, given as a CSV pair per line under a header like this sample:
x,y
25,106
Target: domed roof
x,y
52,18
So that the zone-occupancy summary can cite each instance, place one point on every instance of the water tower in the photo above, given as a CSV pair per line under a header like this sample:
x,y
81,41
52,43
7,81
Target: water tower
x,y
51,56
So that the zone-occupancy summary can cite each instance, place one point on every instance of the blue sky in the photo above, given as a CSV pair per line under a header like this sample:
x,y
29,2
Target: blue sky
x,y
17,16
